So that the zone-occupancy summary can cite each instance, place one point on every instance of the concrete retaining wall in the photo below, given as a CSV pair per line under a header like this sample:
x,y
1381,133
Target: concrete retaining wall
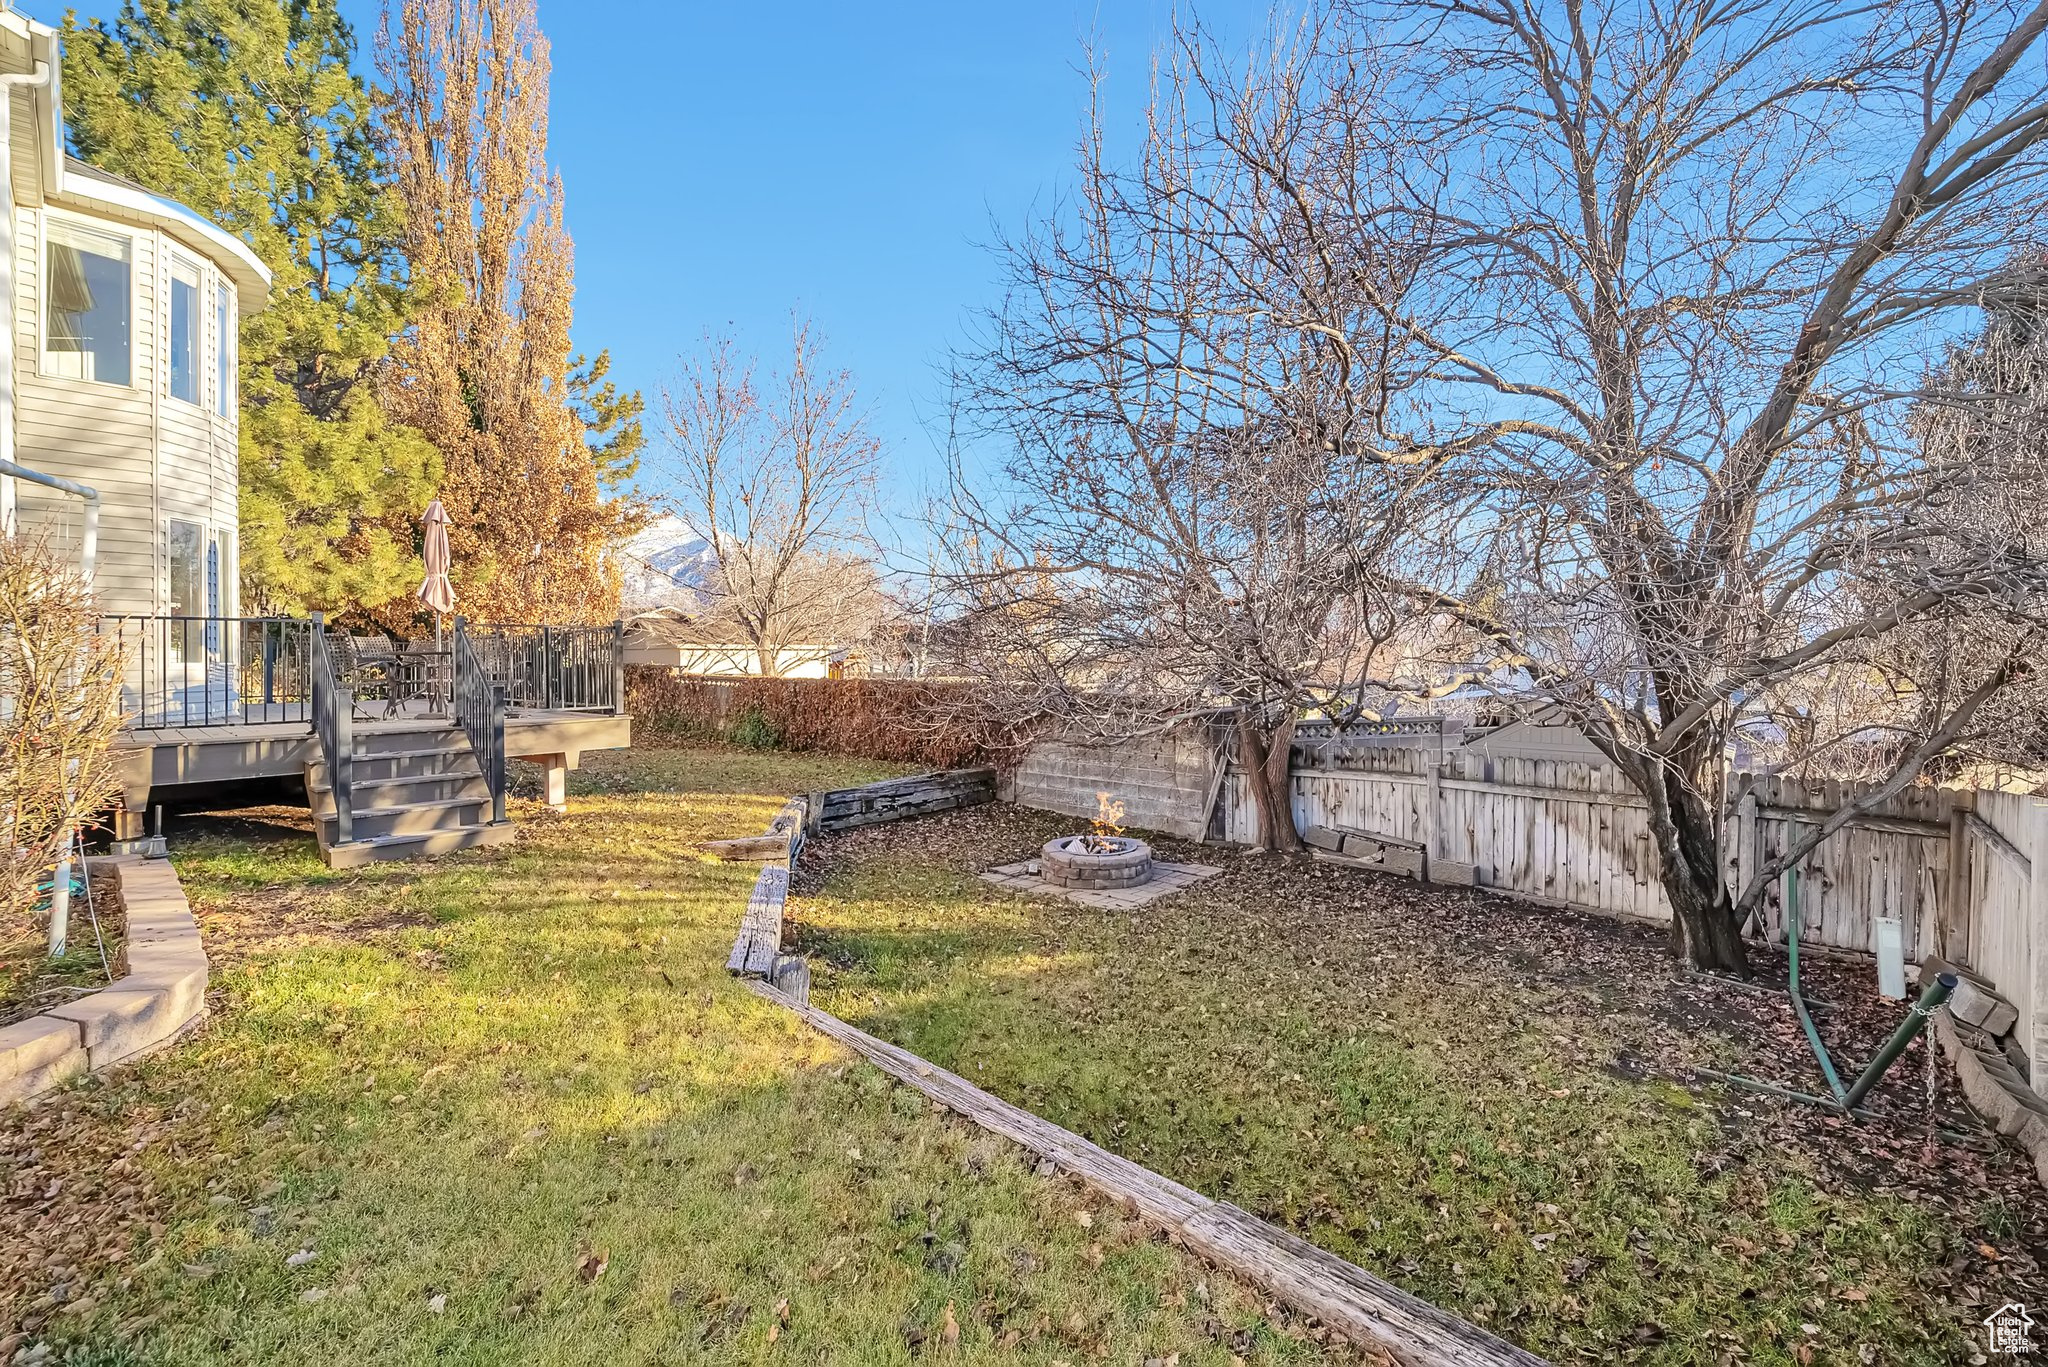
x,y
164,991
1164,781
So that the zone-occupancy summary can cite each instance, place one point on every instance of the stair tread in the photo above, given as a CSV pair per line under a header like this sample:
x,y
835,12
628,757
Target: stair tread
x,y
358,784
431,804
426,837
371,757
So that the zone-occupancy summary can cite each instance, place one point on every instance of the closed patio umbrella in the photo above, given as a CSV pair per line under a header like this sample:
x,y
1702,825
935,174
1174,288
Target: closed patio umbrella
x,y
435,590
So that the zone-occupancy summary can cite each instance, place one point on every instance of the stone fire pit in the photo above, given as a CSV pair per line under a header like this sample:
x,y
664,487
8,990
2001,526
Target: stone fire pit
x,y
1099,863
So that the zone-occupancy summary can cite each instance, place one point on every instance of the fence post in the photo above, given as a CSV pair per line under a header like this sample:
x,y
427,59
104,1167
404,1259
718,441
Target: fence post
x,y
1953,915
547,666
1432,814
2037,941
618,666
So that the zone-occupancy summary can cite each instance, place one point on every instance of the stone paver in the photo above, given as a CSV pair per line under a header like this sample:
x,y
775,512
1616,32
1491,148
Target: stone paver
x,y
1167,878
164,991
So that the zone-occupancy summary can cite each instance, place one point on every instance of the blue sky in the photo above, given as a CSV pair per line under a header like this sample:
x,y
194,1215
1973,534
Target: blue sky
x,y
727,162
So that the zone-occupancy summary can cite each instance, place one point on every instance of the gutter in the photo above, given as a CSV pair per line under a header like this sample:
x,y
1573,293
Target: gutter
x,y
89,546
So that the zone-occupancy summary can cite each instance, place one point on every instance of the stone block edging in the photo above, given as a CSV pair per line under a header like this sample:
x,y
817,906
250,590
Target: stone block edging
x,y
1995,1089
163,992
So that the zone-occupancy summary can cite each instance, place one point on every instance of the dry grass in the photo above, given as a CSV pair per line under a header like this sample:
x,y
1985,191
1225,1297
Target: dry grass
x,y
508,1108
1489,1104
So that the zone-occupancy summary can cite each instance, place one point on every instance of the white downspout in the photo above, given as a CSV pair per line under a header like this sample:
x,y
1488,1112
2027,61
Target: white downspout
x,y
10,471
89,544
31,80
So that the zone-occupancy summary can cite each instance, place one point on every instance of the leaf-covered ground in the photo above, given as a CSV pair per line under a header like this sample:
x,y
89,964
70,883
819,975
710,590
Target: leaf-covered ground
x,y
1490,1104
31,981
508,1108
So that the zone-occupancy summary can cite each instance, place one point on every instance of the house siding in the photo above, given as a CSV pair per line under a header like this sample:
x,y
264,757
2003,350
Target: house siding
x,y
151,457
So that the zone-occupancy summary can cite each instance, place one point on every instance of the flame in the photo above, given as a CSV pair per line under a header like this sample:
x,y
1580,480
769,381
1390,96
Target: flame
x,y
1109,815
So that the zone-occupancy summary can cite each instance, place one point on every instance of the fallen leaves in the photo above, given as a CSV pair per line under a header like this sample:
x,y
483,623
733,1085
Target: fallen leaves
x,y
591,1263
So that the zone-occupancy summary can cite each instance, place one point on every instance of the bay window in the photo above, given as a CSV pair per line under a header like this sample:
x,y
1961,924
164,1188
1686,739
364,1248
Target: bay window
x,y
223,351
185,318
86,304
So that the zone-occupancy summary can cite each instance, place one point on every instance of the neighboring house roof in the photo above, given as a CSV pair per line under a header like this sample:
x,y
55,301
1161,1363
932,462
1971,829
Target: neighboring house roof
x,y
675,627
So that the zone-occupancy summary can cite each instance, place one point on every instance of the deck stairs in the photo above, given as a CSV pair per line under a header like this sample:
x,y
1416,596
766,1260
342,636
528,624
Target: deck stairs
x,y
414,794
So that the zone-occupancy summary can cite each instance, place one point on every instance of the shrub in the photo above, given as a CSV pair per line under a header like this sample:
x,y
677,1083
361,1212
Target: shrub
x,y
913,721
60,705
755,731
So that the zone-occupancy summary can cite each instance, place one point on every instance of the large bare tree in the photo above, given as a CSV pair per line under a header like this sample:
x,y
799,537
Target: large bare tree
x,y
1204,481
1690,263
777,478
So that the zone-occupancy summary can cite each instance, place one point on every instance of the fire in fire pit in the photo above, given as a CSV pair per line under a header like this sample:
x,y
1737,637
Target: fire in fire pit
x,y
1102,859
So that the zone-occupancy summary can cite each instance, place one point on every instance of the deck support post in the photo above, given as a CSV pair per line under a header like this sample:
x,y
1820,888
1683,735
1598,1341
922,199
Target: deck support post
x,y
557,781
131,819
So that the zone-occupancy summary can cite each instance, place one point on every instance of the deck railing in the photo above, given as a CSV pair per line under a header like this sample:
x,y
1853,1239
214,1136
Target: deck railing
x,y
566,669
213,671
480,708
333,724
183,671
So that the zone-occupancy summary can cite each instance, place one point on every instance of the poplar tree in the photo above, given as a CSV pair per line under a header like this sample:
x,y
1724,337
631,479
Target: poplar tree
x,y
531,437
250,112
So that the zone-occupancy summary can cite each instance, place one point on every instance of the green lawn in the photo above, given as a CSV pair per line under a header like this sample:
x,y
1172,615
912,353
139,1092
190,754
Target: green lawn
x,y
508,1108
1478,1100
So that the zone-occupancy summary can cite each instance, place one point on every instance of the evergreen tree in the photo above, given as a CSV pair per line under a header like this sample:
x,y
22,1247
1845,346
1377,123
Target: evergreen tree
x,y
611,419
250,112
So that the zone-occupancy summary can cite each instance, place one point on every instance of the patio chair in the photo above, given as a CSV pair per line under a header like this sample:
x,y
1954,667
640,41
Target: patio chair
x,y
369,667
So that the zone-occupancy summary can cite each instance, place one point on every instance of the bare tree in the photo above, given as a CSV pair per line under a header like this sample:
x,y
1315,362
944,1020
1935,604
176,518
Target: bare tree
x,y
1204,488
776,480
1689,263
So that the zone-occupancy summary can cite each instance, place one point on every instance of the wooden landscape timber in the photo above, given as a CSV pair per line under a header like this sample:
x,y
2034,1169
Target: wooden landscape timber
x,y
757,950
759,942
893,799
782,840
1342,1295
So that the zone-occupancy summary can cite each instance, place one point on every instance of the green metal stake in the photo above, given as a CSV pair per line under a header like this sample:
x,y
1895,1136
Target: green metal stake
x,y
1931,998
1820,1050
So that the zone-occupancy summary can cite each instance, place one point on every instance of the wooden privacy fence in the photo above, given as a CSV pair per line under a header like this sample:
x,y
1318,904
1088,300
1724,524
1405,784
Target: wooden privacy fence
x,y
2004,935
1576,834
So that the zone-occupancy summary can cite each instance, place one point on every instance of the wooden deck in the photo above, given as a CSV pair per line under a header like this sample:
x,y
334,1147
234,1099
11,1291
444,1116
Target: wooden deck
x,y
181,756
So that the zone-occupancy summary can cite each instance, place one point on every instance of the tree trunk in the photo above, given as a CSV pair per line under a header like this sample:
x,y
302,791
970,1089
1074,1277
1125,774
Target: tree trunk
x,y
1264,756
1704,930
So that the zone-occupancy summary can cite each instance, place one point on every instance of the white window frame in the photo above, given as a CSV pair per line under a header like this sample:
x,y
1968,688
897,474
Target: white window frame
x,y
198,337
225,343
91,226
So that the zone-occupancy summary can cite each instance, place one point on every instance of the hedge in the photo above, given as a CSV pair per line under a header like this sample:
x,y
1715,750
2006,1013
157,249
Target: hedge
x,y
910,721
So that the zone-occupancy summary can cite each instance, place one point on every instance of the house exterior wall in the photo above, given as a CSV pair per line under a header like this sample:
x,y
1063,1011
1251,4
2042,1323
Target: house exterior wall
x,y
153,458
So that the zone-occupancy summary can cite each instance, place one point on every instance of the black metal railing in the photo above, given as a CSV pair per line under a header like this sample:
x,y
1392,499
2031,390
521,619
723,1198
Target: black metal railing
x,y
237,671
480,708
333,723
567,669
213,671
